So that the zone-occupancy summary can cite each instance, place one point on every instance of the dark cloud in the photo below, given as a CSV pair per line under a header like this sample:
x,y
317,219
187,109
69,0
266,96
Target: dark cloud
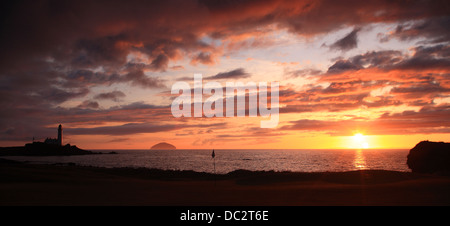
x,y
100,51
238,73
89,104
87,78
343,65
303,73
350,41
204,58
160,62
427,58
420,93
114,96
57,95
436,51
424,58
430,30
379,59
138,78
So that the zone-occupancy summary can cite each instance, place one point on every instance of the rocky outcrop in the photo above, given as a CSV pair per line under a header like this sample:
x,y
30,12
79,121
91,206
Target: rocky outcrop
x,y
429,157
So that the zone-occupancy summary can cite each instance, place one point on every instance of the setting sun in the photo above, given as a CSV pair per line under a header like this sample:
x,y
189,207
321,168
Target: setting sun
x,y
359,141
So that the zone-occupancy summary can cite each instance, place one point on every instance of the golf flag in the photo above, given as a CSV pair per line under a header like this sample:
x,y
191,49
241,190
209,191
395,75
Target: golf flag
x,y
213,155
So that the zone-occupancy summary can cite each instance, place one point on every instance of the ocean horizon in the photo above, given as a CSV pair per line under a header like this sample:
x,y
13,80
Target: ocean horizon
x,y
228,160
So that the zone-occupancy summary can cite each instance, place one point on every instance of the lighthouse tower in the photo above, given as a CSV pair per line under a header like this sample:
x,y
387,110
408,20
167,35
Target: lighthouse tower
x,y
60,138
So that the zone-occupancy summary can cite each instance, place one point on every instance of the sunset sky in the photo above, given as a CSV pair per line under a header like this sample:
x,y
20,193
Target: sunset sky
x,y
352,74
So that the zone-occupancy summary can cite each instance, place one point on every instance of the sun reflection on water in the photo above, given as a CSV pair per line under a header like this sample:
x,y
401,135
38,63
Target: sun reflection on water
x,y
359,161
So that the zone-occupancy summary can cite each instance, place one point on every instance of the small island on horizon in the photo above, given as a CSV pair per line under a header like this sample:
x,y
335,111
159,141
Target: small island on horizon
x,y
163,146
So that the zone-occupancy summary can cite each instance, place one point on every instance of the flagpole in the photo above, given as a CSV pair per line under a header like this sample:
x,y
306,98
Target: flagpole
x,y
214,160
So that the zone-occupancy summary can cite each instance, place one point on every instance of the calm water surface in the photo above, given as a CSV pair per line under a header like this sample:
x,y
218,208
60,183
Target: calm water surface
x,y
230,160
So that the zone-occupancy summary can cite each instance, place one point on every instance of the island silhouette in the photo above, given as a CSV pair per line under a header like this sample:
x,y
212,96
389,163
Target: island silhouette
x,y
163,146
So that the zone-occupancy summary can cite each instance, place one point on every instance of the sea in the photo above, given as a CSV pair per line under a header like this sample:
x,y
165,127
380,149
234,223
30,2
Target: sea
x,y
228,160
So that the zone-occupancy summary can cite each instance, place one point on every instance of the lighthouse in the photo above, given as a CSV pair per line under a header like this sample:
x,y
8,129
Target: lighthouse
x,y
60,138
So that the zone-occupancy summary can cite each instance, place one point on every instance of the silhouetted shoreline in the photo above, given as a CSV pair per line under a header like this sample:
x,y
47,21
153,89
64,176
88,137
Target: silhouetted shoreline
x,y
43,149
70,184
50,147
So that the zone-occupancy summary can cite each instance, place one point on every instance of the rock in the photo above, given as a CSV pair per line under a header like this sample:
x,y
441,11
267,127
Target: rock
x,y
163,146
429,157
